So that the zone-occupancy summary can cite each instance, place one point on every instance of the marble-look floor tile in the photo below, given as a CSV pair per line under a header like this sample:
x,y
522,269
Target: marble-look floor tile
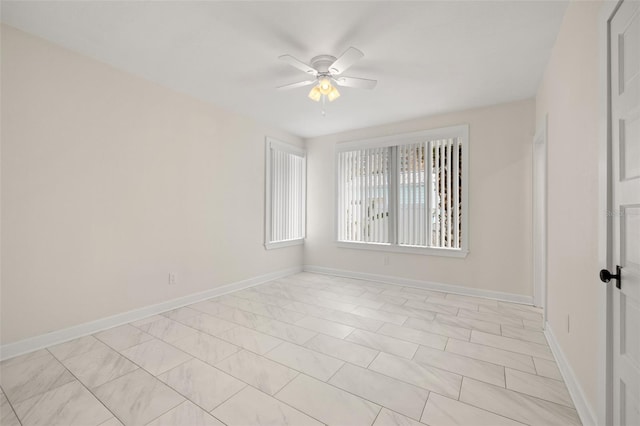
x,y
430,378
547,368
7,415
414,335
70,404
98,366
259,372
533,325
489,317
167,330
208,324
211,307
423,292
513,345
491,354
243,318
270,311
391,418
123,337
384,343
462,365
113,421
385,316
207,348
342,349
327,403
438,328
186,413
472,299
514,405
443,411
257,295
305,360
252,340
384,298
409,295
468,323
252,407
513,312
201,383
31,374
156,356
432,307
325,327
146,320
313,310
138,397
409,312
538,386
181,313
354,320
76,347
524,334
383,390
286,331
456,303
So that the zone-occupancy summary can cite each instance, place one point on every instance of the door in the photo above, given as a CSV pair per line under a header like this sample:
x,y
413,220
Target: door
x,y
625,178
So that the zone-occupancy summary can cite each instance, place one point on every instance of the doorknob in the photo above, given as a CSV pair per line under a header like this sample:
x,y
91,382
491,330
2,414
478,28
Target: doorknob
x,y
606,276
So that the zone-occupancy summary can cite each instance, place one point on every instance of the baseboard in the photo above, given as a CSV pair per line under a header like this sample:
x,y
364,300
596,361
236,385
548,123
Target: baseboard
x,y
428,285
585,410
21,347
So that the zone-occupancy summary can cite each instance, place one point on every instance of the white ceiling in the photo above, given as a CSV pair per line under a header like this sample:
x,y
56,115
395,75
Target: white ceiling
x,y
428,57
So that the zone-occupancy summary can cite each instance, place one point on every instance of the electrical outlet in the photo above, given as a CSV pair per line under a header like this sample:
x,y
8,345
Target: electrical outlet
x,y
172,279
386,260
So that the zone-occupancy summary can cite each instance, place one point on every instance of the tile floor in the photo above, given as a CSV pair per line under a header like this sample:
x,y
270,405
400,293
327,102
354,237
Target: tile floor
x,y
303,350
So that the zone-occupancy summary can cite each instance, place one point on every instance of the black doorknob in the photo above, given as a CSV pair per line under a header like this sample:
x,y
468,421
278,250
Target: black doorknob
x,y
606,276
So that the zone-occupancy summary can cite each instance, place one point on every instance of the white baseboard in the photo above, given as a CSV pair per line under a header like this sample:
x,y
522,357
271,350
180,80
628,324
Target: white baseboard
x,y
428,285
585,410
11,350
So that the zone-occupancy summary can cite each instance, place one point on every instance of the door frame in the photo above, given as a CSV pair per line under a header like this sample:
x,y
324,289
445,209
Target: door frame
x,y
539,214
605,231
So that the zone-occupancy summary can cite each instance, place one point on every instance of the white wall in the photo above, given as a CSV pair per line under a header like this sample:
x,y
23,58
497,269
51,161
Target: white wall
x,y
500,204
569,95
110,182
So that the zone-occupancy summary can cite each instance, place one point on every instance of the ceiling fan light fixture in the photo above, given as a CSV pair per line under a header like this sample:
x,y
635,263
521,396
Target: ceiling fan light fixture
x,y
333,94
325,86
315,94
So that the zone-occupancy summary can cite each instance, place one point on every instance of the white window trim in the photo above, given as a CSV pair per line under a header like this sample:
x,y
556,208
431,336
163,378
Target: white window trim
x,y
459,131
273,143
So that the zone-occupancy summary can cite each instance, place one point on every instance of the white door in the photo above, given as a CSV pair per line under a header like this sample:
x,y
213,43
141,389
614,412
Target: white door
x,y
625,178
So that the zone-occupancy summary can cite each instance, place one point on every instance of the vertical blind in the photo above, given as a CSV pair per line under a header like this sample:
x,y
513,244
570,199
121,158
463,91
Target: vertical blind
x,y
287,194
408,194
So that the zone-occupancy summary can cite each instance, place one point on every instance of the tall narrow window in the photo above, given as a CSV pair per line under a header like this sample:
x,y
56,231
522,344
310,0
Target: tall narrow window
x,y
285,194
405,192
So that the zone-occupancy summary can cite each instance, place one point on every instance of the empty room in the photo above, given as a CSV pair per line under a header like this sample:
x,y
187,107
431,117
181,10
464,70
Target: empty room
x,y
351,213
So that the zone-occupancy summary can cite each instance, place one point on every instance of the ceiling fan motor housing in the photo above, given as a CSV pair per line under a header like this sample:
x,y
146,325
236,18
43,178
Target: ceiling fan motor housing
x,y
321,63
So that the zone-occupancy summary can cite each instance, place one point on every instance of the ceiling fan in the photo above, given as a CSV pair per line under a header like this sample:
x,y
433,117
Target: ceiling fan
x,y
325,71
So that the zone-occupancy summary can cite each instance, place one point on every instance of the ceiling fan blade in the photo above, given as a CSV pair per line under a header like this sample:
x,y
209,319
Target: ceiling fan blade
x,y
345,61
296,85
298,64
358,83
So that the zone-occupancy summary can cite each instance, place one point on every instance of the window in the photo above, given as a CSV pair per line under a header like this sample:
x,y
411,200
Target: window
x,y
285,194
405,193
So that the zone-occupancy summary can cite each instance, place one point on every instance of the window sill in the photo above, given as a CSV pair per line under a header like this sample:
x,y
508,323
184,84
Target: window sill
x,y
280,244
427,251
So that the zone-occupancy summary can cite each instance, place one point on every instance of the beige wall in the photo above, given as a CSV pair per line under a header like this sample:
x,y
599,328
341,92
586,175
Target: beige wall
x,y
500,204
569,95
110,182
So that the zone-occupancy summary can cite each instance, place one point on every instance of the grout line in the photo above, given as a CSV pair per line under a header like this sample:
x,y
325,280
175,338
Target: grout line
x,y
11,405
